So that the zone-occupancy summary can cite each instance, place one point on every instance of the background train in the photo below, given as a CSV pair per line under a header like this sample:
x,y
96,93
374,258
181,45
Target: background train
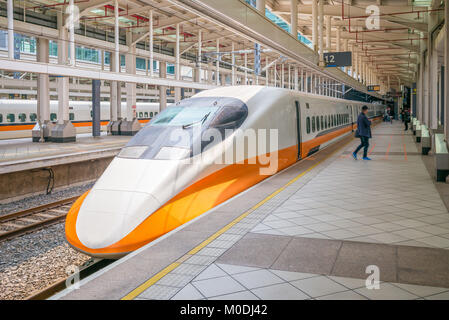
x,y
18,117
161,180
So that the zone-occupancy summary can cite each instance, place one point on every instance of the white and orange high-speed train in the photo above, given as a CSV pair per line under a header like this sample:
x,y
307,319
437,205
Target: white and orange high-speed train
x,y
18,117
151,188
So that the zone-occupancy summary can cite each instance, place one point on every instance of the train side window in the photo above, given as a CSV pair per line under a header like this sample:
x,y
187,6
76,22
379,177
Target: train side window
x,y
71,116
91,114
151,114
1,118
33,116
335,120
140,114
155,113
22,117
322,123
317,123
146,114
313,124
11,117
53,116
308,124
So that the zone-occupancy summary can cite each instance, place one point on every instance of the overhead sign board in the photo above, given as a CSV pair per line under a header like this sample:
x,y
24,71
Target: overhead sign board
x,y
375,87
338,59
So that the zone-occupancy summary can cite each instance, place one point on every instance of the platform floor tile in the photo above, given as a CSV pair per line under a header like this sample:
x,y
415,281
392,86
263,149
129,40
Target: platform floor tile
x,y
391,199
243,283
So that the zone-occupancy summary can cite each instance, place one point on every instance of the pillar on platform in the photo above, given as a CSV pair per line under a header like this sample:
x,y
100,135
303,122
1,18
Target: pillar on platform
x,y
64,131
162,89
131,125
42,130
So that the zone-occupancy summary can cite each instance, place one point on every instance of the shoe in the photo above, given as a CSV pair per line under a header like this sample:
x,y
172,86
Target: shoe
x,y
354,155
366,158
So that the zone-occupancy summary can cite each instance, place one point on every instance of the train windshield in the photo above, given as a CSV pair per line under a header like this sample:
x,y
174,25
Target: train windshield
x,y
184,116
171,135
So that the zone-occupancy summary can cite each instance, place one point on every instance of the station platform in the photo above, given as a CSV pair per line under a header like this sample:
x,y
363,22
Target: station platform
x,y
22,154
314,231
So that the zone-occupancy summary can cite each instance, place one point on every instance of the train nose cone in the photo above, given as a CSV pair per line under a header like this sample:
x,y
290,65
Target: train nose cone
x,y
106,216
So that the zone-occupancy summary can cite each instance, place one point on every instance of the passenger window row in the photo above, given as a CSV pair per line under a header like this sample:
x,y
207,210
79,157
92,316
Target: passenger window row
x,y
318,123
22,117
145,114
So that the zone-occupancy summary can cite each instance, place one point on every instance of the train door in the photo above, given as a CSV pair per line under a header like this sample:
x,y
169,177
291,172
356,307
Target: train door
x,y
298,128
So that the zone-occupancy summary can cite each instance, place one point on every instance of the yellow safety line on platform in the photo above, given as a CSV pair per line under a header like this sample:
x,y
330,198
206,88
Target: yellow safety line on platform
x,y
133,294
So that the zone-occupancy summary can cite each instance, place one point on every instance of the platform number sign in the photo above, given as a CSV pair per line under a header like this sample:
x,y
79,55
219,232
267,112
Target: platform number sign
x,y
338,59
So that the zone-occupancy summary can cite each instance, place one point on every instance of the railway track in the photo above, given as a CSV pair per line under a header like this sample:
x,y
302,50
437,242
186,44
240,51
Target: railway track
x,y
29,220
87,269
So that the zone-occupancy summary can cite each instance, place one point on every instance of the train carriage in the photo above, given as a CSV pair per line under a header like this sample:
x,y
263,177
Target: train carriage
x,y
18,117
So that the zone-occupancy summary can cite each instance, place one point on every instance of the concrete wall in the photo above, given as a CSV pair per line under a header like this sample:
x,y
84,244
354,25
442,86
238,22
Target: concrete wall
x,y
21,184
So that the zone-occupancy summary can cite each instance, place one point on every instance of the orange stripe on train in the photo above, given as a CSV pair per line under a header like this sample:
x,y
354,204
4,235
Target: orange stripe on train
x,y
75,124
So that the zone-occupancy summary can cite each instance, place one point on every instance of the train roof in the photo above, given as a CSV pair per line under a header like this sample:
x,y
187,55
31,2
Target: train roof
x,y
245,93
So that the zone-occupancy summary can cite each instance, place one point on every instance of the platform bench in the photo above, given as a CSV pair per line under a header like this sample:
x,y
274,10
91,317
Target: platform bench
x,y
441,157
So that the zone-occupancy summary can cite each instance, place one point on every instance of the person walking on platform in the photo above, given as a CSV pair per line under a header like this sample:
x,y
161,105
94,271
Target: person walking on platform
x,y
364,133
406,118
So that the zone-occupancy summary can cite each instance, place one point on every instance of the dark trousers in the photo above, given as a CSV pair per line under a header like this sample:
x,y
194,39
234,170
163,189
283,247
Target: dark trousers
x,y
406,125
364,143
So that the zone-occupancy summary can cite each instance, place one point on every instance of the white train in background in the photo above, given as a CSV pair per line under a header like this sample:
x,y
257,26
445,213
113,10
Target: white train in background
x,y
18,117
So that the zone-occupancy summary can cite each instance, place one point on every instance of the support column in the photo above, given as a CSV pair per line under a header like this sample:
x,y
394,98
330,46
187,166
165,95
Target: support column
x,y
10,13
199,55
296,79
446,73
151,42
131,125
294,18
116,87
72,33
233,64
64,131
267,72
275,70
321,30
338,39
282,76
426,82
177,65
246,68
346,49
433,85
42,130
162,89
113,127
96,110
315,24
328,33
260,5
217,67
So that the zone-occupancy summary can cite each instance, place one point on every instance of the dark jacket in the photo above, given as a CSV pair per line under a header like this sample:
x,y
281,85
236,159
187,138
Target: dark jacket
x,y
406,116
363,126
